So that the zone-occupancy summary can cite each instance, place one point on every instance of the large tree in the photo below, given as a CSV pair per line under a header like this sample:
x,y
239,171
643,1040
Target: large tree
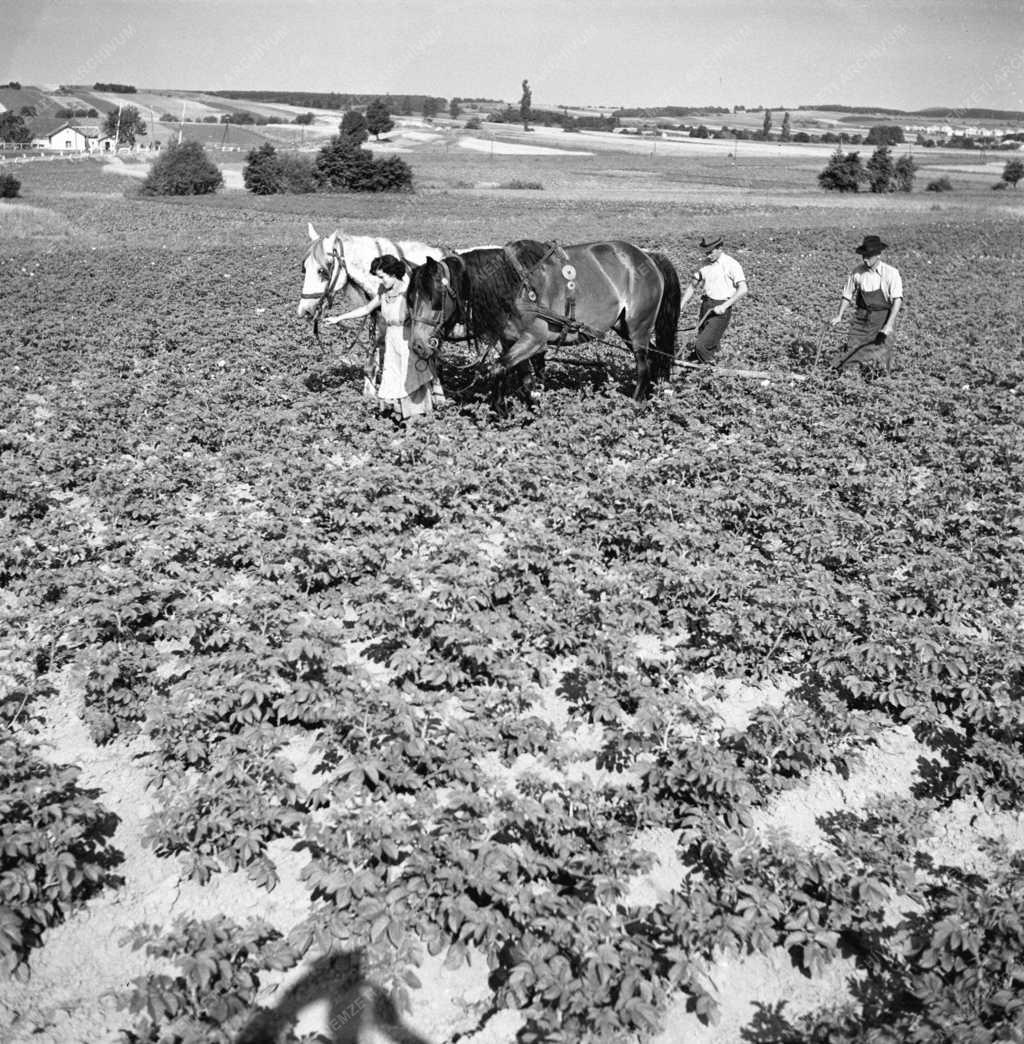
x,y
766,127
125,122
785,134
525,105
378,119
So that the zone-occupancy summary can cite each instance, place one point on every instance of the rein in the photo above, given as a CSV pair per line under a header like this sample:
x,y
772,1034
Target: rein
x,y
326,296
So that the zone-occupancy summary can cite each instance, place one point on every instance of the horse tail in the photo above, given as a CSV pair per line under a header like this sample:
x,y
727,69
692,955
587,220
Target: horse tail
x,y
667,321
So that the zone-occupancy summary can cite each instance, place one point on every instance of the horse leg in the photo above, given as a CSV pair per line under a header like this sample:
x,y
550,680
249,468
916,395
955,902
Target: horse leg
x,y
639,338
515,361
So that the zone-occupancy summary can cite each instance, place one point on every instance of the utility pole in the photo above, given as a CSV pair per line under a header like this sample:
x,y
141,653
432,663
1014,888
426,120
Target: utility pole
x,y
117,130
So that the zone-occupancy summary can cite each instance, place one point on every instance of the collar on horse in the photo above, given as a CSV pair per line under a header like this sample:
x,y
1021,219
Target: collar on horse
x,y
567,322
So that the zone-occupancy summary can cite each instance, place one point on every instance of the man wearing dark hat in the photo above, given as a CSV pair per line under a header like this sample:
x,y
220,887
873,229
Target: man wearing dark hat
x,y
875,289
721,284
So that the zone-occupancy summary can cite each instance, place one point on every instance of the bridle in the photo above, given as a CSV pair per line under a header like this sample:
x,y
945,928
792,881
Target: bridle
x,y
442,319
331,276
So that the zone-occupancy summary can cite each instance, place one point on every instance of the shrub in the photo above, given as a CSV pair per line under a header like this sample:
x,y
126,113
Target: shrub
x,y
10,186
472,124
262,172
296,173
516,183
353,126
880,169
904,173
942,184
268,171
183,170
342,164
844,172
1013,172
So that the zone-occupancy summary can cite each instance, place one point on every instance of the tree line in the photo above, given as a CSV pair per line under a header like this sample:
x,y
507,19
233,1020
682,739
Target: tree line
x,y
846,172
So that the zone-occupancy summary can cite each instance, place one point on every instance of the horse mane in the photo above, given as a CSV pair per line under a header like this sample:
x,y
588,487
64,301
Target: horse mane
x,y
492,283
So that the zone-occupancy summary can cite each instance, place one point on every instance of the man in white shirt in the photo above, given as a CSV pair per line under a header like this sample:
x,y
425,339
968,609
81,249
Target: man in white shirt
x,y
721,284
875,290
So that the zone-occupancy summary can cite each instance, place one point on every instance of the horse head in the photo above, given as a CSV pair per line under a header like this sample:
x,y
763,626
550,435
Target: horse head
x,y
434,302
324,274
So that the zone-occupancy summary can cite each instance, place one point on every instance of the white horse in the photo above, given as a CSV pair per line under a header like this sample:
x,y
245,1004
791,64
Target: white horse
x,y
339,264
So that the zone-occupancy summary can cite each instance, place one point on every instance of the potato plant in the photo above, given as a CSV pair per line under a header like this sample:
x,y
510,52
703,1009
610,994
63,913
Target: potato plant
x,y
210,528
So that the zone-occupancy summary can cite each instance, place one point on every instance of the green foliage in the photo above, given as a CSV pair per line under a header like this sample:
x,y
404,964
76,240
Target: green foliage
x,y
904,172
213,995
378,118
884,134
342,165
879,170
353,127
261,174
843,173
10,186
124,124
54,849
183,170
942,184
1013,171
502,650
268,172
13,128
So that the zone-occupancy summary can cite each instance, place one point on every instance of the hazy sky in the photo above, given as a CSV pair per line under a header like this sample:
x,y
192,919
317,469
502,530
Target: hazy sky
x,y
781,53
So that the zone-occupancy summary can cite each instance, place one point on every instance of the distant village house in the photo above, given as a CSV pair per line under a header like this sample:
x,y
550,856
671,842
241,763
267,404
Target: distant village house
x,y
69,136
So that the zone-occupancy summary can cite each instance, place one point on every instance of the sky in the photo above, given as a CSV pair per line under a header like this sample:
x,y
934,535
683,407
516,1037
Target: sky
x,y
907,54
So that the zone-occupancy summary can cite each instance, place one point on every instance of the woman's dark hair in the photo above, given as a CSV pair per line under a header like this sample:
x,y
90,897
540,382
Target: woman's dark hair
x,y
388,264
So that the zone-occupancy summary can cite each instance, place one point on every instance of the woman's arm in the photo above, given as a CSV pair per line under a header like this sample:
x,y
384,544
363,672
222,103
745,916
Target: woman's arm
x,y
357,313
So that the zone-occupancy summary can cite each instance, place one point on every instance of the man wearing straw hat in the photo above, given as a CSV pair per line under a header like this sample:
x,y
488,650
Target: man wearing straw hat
x,y
875,290
721,284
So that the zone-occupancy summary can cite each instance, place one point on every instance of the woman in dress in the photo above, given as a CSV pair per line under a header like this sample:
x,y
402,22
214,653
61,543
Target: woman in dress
x,y
405,383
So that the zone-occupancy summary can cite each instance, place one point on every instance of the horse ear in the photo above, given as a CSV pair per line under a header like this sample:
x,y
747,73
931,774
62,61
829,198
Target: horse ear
x,y
312,232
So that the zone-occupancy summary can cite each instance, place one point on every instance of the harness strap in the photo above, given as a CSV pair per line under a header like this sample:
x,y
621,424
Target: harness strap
x,y
524,275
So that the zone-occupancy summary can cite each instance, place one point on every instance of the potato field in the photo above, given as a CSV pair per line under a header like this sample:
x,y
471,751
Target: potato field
x,y
688,721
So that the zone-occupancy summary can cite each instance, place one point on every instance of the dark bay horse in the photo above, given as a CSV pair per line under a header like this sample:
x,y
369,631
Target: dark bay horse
x,y
528,296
